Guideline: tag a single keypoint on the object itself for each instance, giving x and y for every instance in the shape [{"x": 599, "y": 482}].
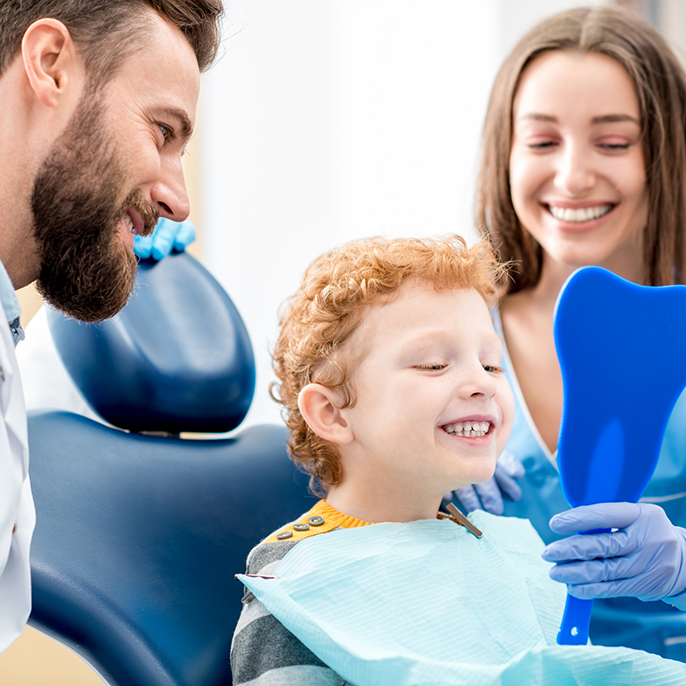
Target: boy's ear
[
  {"x": 50, "y": 60},
  {"x": 319, "y": 408}
]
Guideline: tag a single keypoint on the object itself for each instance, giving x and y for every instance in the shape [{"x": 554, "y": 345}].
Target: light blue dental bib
[{"x": 427, "y": 604}]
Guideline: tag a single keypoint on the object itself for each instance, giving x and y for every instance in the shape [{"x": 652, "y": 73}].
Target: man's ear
[
  {"x": 50, "y": 60},
  {"x": 318, "y": 406}
]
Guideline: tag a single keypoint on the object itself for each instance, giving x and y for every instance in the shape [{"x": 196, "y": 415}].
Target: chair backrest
[
  {"x": 177, "y": 358},
  {"x": 138, "y": 537}
]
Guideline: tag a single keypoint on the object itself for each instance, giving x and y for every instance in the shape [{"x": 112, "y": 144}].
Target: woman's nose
[{"x": 574, "y": 174}]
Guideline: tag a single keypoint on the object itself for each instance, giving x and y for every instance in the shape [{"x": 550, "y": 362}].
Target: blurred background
[
  {"x": 324, "y": 121},
  {"x": 328, "y": 120}
]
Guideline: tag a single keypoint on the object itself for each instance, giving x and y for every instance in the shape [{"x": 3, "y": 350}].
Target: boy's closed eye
[{"x": 492, "y": 368}]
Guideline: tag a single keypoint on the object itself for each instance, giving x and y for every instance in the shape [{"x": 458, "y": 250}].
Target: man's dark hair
[{"x": 106, "y": 32}]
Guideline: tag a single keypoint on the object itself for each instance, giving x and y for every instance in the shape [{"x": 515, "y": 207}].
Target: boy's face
[{"x": 433, "y": 409}]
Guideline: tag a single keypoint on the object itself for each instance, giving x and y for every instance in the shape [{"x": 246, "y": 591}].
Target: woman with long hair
[{"x": 584, "y": 163}]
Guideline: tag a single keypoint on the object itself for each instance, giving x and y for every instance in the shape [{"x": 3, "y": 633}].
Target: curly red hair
[{"x": 321, "y": 317}]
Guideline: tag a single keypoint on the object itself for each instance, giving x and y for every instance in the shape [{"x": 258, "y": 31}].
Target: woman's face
[{"x": 577, "y": 174}]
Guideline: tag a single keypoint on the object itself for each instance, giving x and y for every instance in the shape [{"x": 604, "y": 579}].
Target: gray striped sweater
[{"x": 263, "y": 651}]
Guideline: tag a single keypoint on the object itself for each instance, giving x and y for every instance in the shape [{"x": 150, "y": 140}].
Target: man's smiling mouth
[
  {"x": 135, "y": 222},
  {"x": 129, "y": 223}
]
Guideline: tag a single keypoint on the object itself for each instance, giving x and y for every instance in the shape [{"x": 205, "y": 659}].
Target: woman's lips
[{"x": 579, "y": 218}]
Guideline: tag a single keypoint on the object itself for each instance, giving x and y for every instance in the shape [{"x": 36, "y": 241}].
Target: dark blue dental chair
[{"x": 139, "y": 536}]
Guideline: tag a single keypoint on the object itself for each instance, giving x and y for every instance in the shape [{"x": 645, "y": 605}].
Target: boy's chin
[
  {"x": 474, "y": 482},
  {"x": 481, "y": 476}
]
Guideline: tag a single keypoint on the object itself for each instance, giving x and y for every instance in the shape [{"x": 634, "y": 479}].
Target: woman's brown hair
[{"x": 660, "y": 85}]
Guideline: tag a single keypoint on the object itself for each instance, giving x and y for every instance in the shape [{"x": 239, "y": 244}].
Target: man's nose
[
  {"x": 574, "y": 174},
  {"x": 169, "y": 194}
]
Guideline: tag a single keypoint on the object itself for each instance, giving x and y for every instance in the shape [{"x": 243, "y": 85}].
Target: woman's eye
[
  {"x": 540, "y": 141},
  {"x": 492, "y": 368},
  {"x": 543, "y": 145},
  {"x": 615, "y": 146},
  {"x": 431, "y": 367},
  {"x": 614, "y": 143}
]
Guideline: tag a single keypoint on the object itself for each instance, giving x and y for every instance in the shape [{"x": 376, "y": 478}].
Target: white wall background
[{"x": 328, "y": 120}]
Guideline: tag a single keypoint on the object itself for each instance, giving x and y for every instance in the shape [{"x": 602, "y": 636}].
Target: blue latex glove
[
  {"x": 489, "y": 495},
  {"x": 167, "y": 236},
  {"x": 643, "y": 556}
]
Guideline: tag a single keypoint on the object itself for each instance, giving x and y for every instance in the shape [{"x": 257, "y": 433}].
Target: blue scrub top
[{"x": 655, "y": 627}]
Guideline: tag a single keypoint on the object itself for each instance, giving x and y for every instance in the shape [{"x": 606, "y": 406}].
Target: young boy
[{"x": 389, "y": 375}]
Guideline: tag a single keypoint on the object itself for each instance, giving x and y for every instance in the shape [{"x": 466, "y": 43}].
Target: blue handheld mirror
[{"x": 622, "y": 352}]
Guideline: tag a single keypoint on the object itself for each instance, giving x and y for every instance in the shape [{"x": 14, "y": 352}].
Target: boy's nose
[{"x": 478, "y": 382}]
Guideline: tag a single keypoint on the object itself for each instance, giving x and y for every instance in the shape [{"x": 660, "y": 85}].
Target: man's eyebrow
[{"x": 185, "y": 129}]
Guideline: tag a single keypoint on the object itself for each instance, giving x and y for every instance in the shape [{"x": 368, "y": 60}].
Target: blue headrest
[{"x": 176, "y": 358}]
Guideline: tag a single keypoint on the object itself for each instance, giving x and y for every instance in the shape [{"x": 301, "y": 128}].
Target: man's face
[{"x": 113, "y": 172}]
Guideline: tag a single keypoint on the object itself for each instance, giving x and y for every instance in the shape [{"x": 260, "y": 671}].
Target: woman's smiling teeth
[
  {"x": 467, "y": 429},
  {"x": 583, "y": 214}
]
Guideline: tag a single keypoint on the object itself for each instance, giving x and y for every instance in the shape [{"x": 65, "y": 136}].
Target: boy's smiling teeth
[
  {"x": 468, "y": 429},
  {"x": 583, "y": 214}
]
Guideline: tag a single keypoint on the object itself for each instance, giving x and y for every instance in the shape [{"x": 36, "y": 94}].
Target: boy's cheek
[
  {"x": 507, "y": 405},
  {"x": 503, "y": 436}
]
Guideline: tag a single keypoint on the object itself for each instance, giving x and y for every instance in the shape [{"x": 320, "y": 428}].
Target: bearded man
[{"x": 98, "y": 102}]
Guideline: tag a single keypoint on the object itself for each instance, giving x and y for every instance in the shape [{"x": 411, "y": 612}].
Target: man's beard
[{"x": 87, "y": 271}]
